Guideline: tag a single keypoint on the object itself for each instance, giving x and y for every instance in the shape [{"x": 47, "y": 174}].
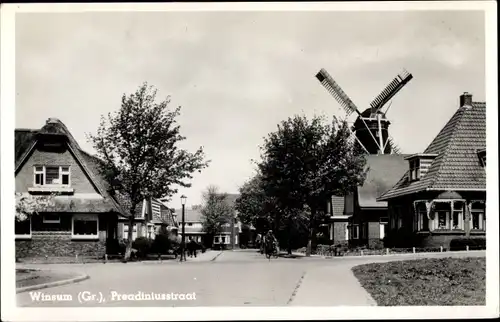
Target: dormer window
[
  {"x": 482, "y": 156},
  {"x": 415, "y": 169},
  {"x": 419, "y": 164}
]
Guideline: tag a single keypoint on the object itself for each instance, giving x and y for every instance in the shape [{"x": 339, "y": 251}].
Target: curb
[
  {"x": 52, "y": 284},
  {"x": 471, "y": 252},
  {"x": 296, "y": 289},
  {"x": 213, "y": 259}
]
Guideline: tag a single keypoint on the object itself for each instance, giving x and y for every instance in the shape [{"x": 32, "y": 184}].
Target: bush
[
  {"x": 143, "y": 246},
  {"x": 473, "y": 243},
  {"x": 161, "y": 244},
  {"x": 402, "y": 238}
]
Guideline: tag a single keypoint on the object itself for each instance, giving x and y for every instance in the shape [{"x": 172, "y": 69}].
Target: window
[
  {"x": 216, "y": 239},
  {"x": 52, "y": 175},
  {"x": 23, "y": 228},
  {"x": 355, "y": 231},
  {"x": 190, "y": 224},
  {"x": 51, "y": 219},
  {"x": 39, "y": 175},
  {"x": 442, "y": 219},
  {"x": 423, "y": 219},
  {"x": 457, "y": 217},
  {"x": 414, "y": 170},
  {"x": 482, "y": 156},
  {"x": 455, "y": 220},
  {"x": 478, "y": 216},
  {"x": 223, "y": 239},
  {"x": 85, "y": 226},
  {"x": 125, "y": 228},
  {"x": 383, "y": 230}
]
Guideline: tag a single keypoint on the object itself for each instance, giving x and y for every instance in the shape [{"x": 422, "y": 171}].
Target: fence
[{"x": 331, "y": 251}]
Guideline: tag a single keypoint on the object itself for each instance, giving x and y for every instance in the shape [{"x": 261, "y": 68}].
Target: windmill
[{"x": 370, "y": 129}]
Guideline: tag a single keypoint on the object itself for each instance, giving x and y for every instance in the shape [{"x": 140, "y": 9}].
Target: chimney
[
  {"x": 465, "y": 99},
  {"x": 53, "y": 120}
]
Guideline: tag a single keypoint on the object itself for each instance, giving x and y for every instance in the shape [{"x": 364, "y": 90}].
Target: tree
[
  {"x": 254, "y": 206},
  {"x": 28, "y": 205},
  {"x": 305, "y": 162},
  {"x": 138, "y": 146},
  {"x": 216, "y": 211}
]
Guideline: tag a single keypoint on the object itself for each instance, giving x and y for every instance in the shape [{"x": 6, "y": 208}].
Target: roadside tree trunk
[
  {"x": 289, "y": 248},
  {"x": 311, "y": 232},
  {"x": 128, "y": 250}
]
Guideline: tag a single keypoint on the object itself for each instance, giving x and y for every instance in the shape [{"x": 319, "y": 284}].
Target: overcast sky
[{"x": 238, "y": 74}]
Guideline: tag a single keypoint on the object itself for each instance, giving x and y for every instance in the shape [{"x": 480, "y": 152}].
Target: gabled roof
[
  {"x": 195, "y": 215},
  {"x": 384, "y": 171},
  {"x": 231, "y": 198},
  {"x": 27, "y": 139},
  {"x": 457, "y": 166},
  {"x": 190, "y": 215}
]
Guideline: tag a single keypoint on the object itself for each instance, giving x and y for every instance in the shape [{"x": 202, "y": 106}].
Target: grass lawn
[
  {"x": 443, "y": 281},
  {"x": 26, "y": 277}
]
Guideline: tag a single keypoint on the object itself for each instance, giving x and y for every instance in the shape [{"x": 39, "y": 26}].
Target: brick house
[
  {"x": 442, "y": 195},
  {"x": 338, "y": 222},
  {"x": 151, "y": 214},
  {"x": 368, "y": 222},
  {"x": 83, "y": 219},
  {"x": 228, "y": 237},
  {"x": 359, "y": 219},
  {"x": 193, "y": 224}
]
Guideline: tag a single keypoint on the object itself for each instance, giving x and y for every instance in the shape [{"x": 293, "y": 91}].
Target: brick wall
[
  {"x": 55, "y": 239},
  {"x": 59, "y": 244},
  {"x": 443, "y": 239},
  {"x": 79, "y": 181}
]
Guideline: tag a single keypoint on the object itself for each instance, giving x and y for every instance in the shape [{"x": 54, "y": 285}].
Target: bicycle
[{"x": 274, "y": 253}]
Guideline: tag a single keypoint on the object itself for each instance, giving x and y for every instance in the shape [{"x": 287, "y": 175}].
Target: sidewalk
[
  {"x": 331, "y": 286},
  {"x": 336, "y": 285},
  {"x": 207, "y": 256}
]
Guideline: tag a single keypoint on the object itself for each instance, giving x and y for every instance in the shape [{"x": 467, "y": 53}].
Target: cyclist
[{"x": 271, "y": 242}]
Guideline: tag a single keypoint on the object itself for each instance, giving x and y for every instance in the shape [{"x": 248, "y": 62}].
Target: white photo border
[{"x": 7, "y": 117}]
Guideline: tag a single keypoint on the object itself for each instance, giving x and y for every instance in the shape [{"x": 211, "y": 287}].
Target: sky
[{"x": 236, "y": 75}]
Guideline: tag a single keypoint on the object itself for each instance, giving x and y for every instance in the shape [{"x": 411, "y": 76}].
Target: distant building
[
  {"x": 227, "y": 238},
  {"x": 193, "y": 224},
  {"x": 442, "y": 194},
  {"x": 150, "y": 216}
]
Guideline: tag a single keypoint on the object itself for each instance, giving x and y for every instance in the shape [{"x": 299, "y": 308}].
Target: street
[{"x": 234, "y": 278}]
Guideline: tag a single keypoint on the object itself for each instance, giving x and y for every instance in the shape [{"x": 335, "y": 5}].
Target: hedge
[{"x": 473, "y": 243}]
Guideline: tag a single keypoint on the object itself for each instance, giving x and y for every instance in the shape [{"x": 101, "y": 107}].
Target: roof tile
[{"x": 457, "y": 165}]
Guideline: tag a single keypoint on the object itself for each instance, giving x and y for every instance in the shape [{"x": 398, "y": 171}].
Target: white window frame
[
  {"x": 44, "y": 173},
  {"x": 355, "y": 231},
  {"x": 382, "y": 230},
  {"x": 446, "y": 219},
  {"x": 49, "y": 221},
  {"x": 481, "y": 213},
  {"x": 25, "y": 236},
  {"x": 415, "y": 170},
  {"x": 88, "y": 217}
]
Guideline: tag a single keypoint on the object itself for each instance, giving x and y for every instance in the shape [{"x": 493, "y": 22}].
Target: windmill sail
[
  {"x": 394, "y": 148},
  {"x": 334, "y": 89},
  {"x": 395, "y": 86}
]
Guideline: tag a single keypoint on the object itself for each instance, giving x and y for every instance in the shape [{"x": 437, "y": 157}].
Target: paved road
[{"x": 235, "y": 278}]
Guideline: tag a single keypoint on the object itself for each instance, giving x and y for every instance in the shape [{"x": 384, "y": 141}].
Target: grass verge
[
  {"x": 26, "y": 277},
  {"x": 443, "y": 281}
]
